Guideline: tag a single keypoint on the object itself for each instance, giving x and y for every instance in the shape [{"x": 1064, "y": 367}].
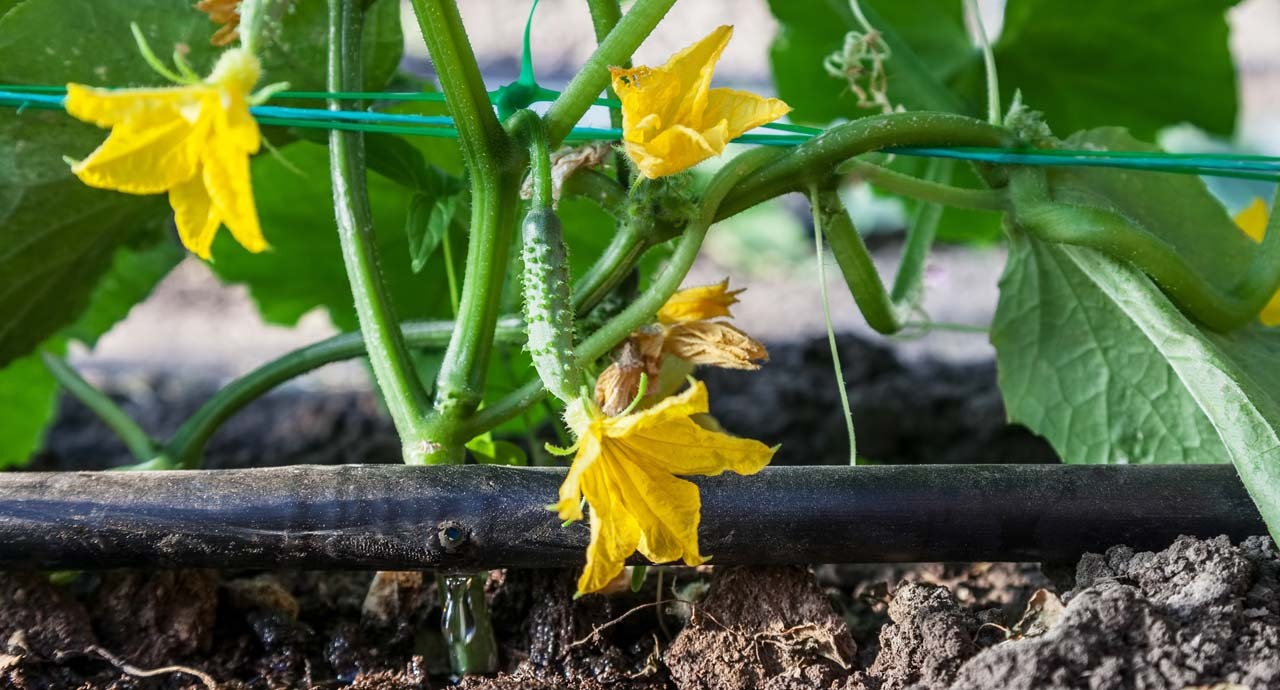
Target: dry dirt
[{"x": 1199, "y": 613}]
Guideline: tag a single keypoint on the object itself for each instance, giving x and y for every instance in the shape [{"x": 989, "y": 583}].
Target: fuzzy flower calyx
[
  {"x": 626, "y": 469},
  {"x": 192, "y": 141},
  {"x": 671, "y": 117}
]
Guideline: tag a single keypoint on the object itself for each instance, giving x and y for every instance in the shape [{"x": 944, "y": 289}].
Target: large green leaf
[
  {"x": 303, "y": 269},
  {"x": 810, "y": 31},
  {"x": 1209, "y": 396},
  {"x": 1076, "y": 370},
  {"x": 28, "y": 395},
  {"x": 28, "y": 392},
  {"x": 1142, "y": 64},
  {"x": 57, "y": 235}
]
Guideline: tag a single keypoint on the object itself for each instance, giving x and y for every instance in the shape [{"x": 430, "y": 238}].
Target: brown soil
[{"x": 1198, "y": 613}]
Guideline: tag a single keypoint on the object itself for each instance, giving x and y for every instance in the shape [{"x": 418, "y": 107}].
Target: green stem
[
  {"x": 392, "y": 366},
  {"x": 1113, "y": 234},
  {"x": 988, "y": 60},
  {"x": 255, "y": 15},
  {"x": 909, "y": 282},
  {"x": 926, "y": 190},
  {"x": 605, "y": 15},
  {"x": 493, "y": 168},
  {"x": 855, "y": 262},
  {"x": 596, "y": 187},
  {"x": 641, "y": 311},
  {"x": 591, "y": 80},
  {"x": 189, "y": 440},
  {"x": 139, "y": 443},
  {"x": 813, "y": 161},
  {"x": 623, "y": 252},
  {"x": 841, "y": 385}
]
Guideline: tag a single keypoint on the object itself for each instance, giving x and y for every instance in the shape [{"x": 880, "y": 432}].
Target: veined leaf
[
  {"x": 1228, "y": 378},
  {"x": 1074, "y": 368}
]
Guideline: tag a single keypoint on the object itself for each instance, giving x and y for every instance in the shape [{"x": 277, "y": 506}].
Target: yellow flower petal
[
  {"x": 1253, "y": 221},
  {"x": 667, "y": 511},
  {"x": 193, "y": 141},
  {"x": 742, "y": 110},
  {"x": 614, "y": 532},
  {"x": 672, "y": 119},
  {"x": 699, "y": 303},
  {"x": 626, "y": 468},
  {"x": 226, "y": 178},
  {"x": 194, "y": 215},
  {"x": 151, "y": 149}
]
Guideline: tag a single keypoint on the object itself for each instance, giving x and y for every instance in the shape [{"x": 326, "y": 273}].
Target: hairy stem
[
  {"x": 591, "y": 80},
  {"x": 812, "y": 161},
  {"x": 925, "y": 189},
  {"x": 393, "y": 369},
  {"x": 493, "y": 169},
  {"x": 191, "y": 437},
  {"x": 841, "y": 385}
]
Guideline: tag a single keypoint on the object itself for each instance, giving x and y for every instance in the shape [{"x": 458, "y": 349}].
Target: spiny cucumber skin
[{"x": 548, "y": 306}]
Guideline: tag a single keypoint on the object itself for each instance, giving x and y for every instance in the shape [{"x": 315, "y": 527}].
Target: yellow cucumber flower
[
  {"x": 1253, "y": 221},
  {"x": 626, "y": 468},
  {"x": 192, "y": 141},
  {"x": 671, "y": 117}
]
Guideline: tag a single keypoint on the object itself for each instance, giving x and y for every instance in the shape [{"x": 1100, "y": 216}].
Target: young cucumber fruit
[{"x": 548, "y": 306}]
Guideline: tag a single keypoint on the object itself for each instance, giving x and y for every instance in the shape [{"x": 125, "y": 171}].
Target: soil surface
[{"x": 1200, "y": 613}]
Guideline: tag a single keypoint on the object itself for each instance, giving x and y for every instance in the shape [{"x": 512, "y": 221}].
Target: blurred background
[{"x": 193, "y": 325}]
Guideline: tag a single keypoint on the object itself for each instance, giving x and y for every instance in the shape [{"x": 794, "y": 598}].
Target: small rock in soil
[
  {"x": 926, "y": 643},
  {"x": 770, "y": 628}
]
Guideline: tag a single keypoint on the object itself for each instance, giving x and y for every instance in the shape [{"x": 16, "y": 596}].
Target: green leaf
[
  {"x": 487, "y": 451},
  {"x": 1074, "y": 368},
  {"x": 56, "y": 241},
  {"x": 28, "y": 392},
  {"x": 810, "y": 31},
  {"x": 44, "y": 42},
  {"x": 28, "y": 395},
  {"x": 1144, "y": 64},
  {"x": 1215, "y": 396},
  {"x": 303, "y": 269},
  {"x": 58, "y": 235}
]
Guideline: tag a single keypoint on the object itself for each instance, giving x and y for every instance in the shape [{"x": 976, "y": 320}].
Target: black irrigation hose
[{"x": 395, "y": 517}]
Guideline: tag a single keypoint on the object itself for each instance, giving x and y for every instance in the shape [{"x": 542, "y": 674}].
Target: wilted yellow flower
[
  {"x": 619, "y": 383},
  {"x": 699, "y": 303},
  {"x": 226, "y": 13},
  {"x": 626, "y": 468},
  {"x": 1253, "y": 221},
  {"x": 671, "y": 117},
  {"x": 714, "y": 343},
  {"x": 192, "y": 141}
]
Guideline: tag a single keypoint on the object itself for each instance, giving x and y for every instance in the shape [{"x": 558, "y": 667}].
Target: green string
[{"x": 526, "y": 91}]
